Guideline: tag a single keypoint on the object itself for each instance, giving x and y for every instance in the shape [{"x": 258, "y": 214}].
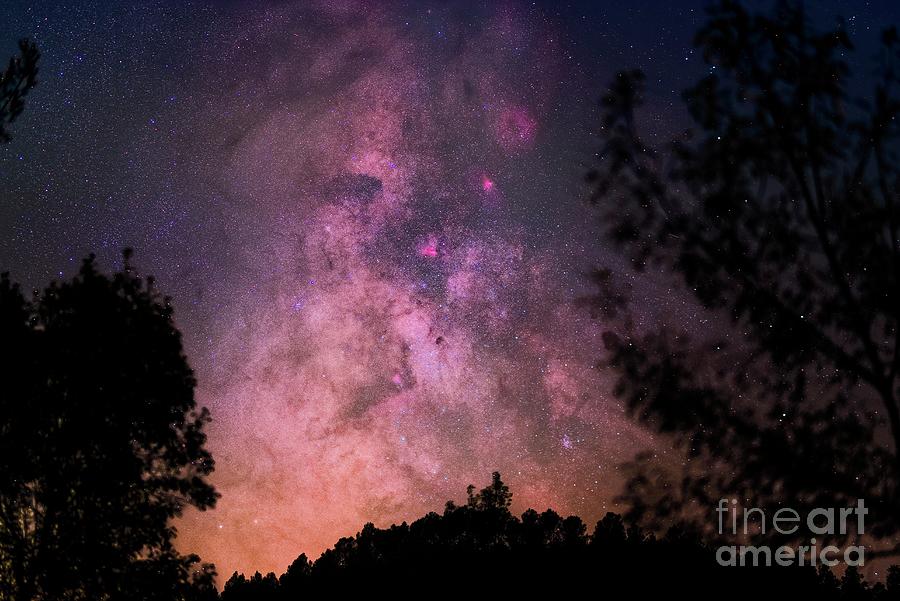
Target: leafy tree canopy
[
  {"x": 778, "y": 215},
  {"x": 101, "y": 442}
]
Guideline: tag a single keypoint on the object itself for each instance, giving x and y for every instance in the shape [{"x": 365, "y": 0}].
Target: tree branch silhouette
[{"x": 776, "y": 214}]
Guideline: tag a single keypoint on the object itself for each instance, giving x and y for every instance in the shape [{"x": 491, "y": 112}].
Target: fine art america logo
[{"x": 825, "y": 522}]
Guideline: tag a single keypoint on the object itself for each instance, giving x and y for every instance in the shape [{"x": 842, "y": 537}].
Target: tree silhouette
[
  {"x": 777, "y": 214},
  {"x": 16, "y": 81},
  {"x": 101, "y": 443},
  {"x": 481, "y": 548}
]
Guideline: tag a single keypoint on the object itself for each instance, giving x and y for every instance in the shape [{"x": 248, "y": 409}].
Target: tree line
[{"x": 481, "y": 546}]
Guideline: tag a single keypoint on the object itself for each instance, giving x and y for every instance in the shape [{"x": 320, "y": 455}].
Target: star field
[{"x": 370, "y": 218}]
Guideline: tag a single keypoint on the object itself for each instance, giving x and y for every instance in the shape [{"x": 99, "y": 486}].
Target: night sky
[{"x": 371, "y": 220}]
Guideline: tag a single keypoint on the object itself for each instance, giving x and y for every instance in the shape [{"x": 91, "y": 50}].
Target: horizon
[{"x": 374, "y": 225}]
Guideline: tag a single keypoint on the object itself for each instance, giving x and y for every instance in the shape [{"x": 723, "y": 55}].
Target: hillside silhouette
[{"x": 481, "y": 547}]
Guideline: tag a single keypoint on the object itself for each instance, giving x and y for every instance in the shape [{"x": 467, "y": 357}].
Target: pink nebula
[
  {"x": 515, "y": 128},
  {"x": 430, "y": 247}
]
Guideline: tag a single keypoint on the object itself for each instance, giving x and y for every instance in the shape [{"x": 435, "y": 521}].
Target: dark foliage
[
  {"x": 480, "y": 547},
  {"x": 101, "y": 443},
  {"x": 778, "y": 215},
  {"x": 16, "y": 81}
]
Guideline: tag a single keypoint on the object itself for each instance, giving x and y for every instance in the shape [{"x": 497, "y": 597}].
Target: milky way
[
  {"x": 415, "y": 332},
  {"x": 371, "y": 220}
]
